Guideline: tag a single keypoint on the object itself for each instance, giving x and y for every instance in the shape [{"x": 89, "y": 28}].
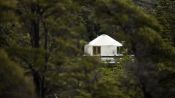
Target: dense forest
[{"x": 42, "y": 42}]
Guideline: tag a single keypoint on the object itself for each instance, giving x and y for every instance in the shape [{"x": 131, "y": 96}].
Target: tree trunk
[
  {"x": 43, "y": 85},
  {"x": 35, "y": 34}
]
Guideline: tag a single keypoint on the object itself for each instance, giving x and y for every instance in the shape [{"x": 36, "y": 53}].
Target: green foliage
[
  {"x": 86, "y": 77},
  {"x": 13, "y": 83},
  {"x": 165, "y": 14},
  {"x": 6, "y": 8},
  {"x": 7, "y": 18},
  {"x": 25, "y": 56}
]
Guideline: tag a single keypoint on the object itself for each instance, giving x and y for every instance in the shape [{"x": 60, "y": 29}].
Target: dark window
[
  {"x": 118, "y": 50},
  {"x": 96, "y": 50}
]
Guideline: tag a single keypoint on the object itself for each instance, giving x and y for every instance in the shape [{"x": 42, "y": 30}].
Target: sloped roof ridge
[{"x": 104, "y": 40}]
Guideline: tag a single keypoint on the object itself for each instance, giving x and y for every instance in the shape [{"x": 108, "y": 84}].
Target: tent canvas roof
[{"x": 104, "y": 40}]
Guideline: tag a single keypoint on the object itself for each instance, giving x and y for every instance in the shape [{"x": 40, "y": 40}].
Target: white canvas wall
[{"x": 108, "y": 50}]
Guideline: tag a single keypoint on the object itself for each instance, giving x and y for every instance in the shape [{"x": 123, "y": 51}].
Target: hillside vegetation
[{"x": 42, "y": 42}]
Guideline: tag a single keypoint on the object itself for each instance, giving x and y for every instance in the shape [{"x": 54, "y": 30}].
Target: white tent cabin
[{"x": 105, "y": 47}]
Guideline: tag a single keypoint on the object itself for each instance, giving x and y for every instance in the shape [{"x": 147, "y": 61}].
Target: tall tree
[{"x": 37, "y": 17}]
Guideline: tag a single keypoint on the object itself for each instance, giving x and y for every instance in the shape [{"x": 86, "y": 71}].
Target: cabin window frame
[{"x": 96, "y": 50}]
